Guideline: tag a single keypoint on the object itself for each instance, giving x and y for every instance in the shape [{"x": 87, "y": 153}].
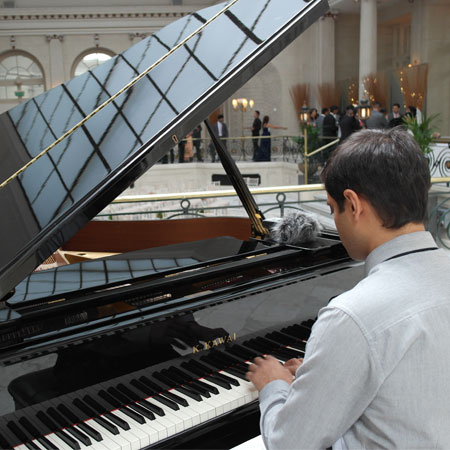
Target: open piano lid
[{"x": 57, "y": 195}]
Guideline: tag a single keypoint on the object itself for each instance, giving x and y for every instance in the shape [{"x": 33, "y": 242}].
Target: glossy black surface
[{"x": 58, "y": 194}]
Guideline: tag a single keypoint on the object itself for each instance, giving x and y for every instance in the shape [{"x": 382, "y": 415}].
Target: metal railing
[{"x": 273, "y": 201}]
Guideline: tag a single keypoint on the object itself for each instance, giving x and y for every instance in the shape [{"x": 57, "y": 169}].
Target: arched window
[
  {"x": 21, "y": 76},
  {"x": 90, "y": 59}
]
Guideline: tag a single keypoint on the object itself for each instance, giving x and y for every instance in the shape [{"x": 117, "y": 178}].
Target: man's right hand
[{"x": 293, "y": 364}]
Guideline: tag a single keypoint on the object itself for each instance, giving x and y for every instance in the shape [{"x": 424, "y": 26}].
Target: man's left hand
[{"x": 265, "y": 370}]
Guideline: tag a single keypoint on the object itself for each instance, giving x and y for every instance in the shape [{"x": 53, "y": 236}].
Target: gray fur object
[{"x": 296, "y": 228}]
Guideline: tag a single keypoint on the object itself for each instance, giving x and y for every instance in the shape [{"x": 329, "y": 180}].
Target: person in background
[
  {"x": 256, "y": 129},
  {"x": 196, "y": 136},
  {"x": 221, "y": 130},
  {"x": 264, "y": 151},
  {"x": 313, "y": 116},
  {"x": 320, "y": 120},
  {"x": 376, "y": 370},
  {"x": 376, "y": 119},
  {"x": 395, "y": 118},
  {"x": 188, "y": 148},
  {"x": 348, "y": 123}
]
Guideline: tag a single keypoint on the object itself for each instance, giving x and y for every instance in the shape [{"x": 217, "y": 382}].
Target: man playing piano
[{"x": 376, "y": 369}]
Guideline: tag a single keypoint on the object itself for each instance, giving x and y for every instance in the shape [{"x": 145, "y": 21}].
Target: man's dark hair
[
  {"x": 350, "y": 108},
  {"x": 257, "y": 112},
  {"x": 376, "y": 104},
  {"x": 324, "y": 110},
  {"x": 334, "y": 108},
  {"x": 220, "y": 116},
  {"x": 396, "y": 104},
  {"x": 387, "y": 168}
]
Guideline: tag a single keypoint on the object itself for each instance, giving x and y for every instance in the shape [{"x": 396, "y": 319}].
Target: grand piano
[{"x": 147, "y": 348}]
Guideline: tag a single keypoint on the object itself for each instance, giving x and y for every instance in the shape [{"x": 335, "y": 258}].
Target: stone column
[
  {"x": 417, "y": 32},
  {"x": 56, "y": 60},
  {"x": 325, "y": 51},
  {"x": 367, "y": 41}
]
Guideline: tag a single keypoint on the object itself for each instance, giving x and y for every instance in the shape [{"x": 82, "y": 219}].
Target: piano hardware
[{"x": 147, "y": 348}]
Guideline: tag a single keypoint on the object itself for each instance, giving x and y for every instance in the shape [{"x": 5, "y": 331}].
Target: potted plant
[{"x": 424, "y": 133}]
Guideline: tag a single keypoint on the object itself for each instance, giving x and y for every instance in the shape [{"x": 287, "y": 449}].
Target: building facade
[{"x": 391, "y": 51}]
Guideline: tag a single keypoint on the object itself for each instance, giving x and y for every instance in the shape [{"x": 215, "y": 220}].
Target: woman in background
[{"x": 264, "y": 150}]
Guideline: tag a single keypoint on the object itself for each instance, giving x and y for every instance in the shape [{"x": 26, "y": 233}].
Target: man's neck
[{"x": 387, "y": 234}]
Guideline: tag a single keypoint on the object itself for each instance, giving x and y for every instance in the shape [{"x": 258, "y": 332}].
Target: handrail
[{"x": 232, "y": 192}]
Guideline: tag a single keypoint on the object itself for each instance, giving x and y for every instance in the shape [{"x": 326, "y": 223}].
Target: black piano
[{"x": 147, "y": 348}]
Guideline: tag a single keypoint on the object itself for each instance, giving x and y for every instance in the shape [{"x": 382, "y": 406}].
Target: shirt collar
[{"x": 404, "y": 243}]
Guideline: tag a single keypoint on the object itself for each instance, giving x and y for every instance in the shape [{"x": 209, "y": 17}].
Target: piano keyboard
[{"x": 149, "y": 406}]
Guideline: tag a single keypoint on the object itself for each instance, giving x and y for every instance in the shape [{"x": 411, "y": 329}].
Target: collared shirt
[
  {"x": 220, "y": 128},
  {"x": 376, "y": 372}
]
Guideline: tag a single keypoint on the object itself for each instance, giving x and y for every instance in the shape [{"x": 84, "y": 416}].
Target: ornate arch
[
  {"x": 79, "y": 59},
  {"x": 21, "y": 76}
]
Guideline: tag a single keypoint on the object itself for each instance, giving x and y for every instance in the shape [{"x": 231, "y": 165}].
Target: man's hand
[
  {"x": 265, "y": 370},
  {"x": 293, "y": 364}
]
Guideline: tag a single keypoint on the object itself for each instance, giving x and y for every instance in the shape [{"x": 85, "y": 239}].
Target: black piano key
[
  {"x": 210, "y": 388},
  {"x": 47, "y": 421},
  {"x": 287, "y": 340},
  {"x": 241, "y": 352},
  {"x": 94, "y": 434},
  {"x": 183, "y": 389},
  {"x": 36, "y": 434},
  {"x": 126, "y": 400},
  {"x": 188, "y": 383},
  {"x": 64, "y": 423},
  {"x": 210, "y": 378},
  {"x": 221, "y": 363},
  {"x": 4, "y": 443},
  {"x": 229, "y": 360},
  {"x": 290, "y": 353},
  {"x": 107, "y": 425},
  {"x": 123, "y": 409},
  {"x": 108, "y": 415},
  {"x": 147, "y": 384},
  {"x": 236, "y": 373},
  {"x": 140, "y": 401},
  {"x": 233, "y": 381},
  {"x": 297, "y": 331},
  {"x": 23, "y": 438},
  {"x": 189, "y": 393},
  {"x": 175, "y": 398}
]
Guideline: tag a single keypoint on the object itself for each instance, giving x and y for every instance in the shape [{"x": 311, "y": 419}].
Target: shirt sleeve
[{"x": 336, "y": 382}]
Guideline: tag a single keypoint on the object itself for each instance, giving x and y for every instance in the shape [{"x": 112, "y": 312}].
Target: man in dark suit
[
  {"x": 330, "y": 124},
  {"x": 256, "y": 128},
  {"x": 348, "y": 123},
  {"x": 395, "y": 118},
  {"x": 221, "y": 130}
]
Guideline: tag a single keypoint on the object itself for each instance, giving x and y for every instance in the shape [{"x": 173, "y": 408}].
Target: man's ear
[{"x": 354, "y": 203}]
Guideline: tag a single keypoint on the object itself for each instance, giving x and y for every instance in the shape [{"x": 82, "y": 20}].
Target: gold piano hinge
[
  {"x": 56, "y": 301},
  {"x": 175, "y": 138},
  {"x": 256, "y": 256}
]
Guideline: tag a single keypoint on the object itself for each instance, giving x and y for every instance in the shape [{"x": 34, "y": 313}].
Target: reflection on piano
[{"x": 147, "y": 348}]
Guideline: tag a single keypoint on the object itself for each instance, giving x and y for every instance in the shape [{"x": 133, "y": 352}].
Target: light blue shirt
[{"x": 376, "y": 372}]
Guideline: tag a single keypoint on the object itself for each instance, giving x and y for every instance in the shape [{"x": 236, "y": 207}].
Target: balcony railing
[{"x": 273, "y": 201}]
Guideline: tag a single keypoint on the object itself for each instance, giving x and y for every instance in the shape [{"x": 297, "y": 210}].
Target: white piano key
[
  {"x": 174, "y": 424},
  {"x": 114, "y": 439},
  {"x": 228, "y": 400},
  {"x": 135, "y": 429},
  {"x": 204, "y": 410},
  {"x": 55, "y": 440},
  {"x": 21, "y": 447},
  {"x": 183, "y": 413},
  {"x": 245, "y": 387},
  {"x": 192, "y": 414},
  {"x": 94, "y": 444},
  {"x": 131, "y": 437}
]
